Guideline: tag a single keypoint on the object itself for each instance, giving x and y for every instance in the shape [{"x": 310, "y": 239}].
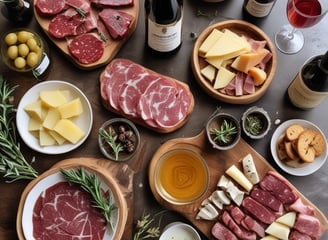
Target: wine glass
[{"x": 301, "y": 14}]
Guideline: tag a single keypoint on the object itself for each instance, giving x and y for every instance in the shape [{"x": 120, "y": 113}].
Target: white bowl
[
  {"x": 179, "y": 230},
  {"x": 305, "y": 169},
  {"x": 84, "y": 121}
]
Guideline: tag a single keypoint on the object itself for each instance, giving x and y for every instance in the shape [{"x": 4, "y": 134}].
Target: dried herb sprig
[
  {"x": 90, "y": 183},
  {"x": 224, "y": 134},
  {"x": 13, "y": 164},
  {"x": 253, "y": 125},
  {"x": 110, "y": 138},
  {"x": 144, "y": 229}
]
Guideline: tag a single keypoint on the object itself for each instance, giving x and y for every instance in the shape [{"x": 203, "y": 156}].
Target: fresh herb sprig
[
  {"x": 253, "y": 125},
  {"x": 110, "y": 138},
  {"x": 144, "y": 229},
  {"x": 90, "y": 183},
  {"x": 224, "y": 134},
  {"x": 13, "y": 164}
]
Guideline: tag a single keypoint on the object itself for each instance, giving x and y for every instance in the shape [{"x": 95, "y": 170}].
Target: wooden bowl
[{"x": 242, "y": 28}]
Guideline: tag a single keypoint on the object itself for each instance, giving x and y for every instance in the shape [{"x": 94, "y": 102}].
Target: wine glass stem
[{"x": 291, "y": 34}]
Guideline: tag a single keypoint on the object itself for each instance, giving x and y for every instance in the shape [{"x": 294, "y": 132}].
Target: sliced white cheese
[
  {"x": 209, "y": 72},
  {"x": 209, "y": 41},
  {"x": 239, "y": 177},
  {"x": 235, "y": 194},
  {"x": 223, "y": 78},
  {"x": 207, "y": 212},
  {"x": 215, "y": 62},
  {"x": 278, "y": 230},
  {"x": 222, "y": 196},
  {"x": 205, "y": 201},
  {"x": 249, "y": 169},
  {"x": 288, "y": 219},
  {"x": 223, "y": 182}
]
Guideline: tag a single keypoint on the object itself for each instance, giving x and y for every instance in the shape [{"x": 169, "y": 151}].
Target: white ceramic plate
[
  {"x": 306, "y": 169},
  {"x": 84, "y": 121},
  {"x": 39, "y": 188}
]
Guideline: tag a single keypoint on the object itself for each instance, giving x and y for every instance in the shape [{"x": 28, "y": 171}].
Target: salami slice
[
  {"x": 50, "y": 7},
  {"x": 86, "y": 48}
]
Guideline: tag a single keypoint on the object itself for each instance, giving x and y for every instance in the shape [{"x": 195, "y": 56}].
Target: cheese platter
[{"x": 218, "y": 162}]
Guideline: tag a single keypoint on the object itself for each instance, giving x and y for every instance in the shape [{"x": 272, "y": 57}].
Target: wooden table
[{"x": 275, "y": 102}]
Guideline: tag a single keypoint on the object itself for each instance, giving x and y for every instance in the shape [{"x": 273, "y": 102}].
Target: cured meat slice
[
  {"x": 80, "y": 5},
  {"x": 252, "y": 225},
  {"x": 267, "y": 199},
  {"x": 300, "y": 207},
  {"x": 221, "y": 232},
  {"x": 279, "y": 187},
  {"x": 258, "y": 211},
  {"x": 295, "y": 235},
  {"x": 112, "y": 3},
  {"x": 308, "y": 225},
  {"x": 86, "y": 48},
  {"x": 50, "y": 7},
  {"x": 117, "y": 22},
  {"x": 65, "y": 212}
]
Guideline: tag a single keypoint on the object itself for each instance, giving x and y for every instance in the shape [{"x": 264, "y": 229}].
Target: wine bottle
[
  {"x": 18, "y": 11},
  {"x": 164, "y": 25},
  {"x": 258, "y": 8},
  {"x": 310, "y": 85}
]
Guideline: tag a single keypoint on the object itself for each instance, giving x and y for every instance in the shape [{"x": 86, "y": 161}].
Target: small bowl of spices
[
  {"x": 256, "y": 122},
  {"x": 118, "y": 139}
]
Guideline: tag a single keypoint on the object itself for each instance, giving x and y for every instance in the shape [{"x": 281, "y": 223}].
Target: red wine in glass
[{"x": 304, "y": 14}]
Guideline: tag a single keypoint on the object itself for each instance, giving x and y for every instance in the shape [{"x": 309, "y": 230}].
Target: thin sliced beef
[
  {"x": 117, "y": 22},
  {"x": 112, "y": 3},
  {"x": 279, "y": 187},
  {"x": 308, "y": 225},
  {"x": 80, "y": 5},
  {"x": 267, "y": 199},
  {"x": 221, "y": 232},
  {"x": 258, "y": 211},
  {"x": 50, "y": 7},
  {"x": 86, "y": 48}
]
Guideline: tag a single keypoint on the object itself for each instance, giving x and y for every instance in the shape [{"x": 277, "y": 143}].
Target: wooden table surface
[{"x": 275, "y": 102}]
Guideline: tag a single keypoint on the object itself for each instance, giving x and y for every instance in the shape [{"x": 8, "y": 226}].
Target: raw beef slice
[{"x": 50, "y": 7}]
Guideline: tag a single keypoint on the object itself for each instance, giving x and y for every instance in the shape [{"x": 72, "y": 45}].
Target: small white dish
[
  {"x": 39, "y": 188},
  {"x": 305, "y": 169},
  {"x": 84, "y": 121},
  {"x": 179, "y": 230}
]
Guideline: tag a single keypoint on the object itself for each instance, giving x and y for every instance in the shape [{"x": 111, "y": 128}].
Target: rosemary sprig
[
  {"x": 13, "y": 164},
  {"x": 144, "y": 230},
  {"x": 111, "y": 139},
  {"x": 224, "y": 134},
  {"x": 90, "y": 183},
  {"x": 253, "y": 125}
]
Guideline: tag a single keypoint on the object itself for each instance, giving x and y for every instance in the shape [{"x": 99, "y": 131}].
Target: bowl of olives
[{"x": 22, "y": 50}]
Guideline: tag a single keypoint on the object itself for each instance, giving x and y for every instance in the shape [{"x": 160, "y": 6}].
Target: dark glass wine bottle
[
  {"x": 18, "y": 11},
  {"x": 163, "y": 19},
  {"x": 258, "y": 8},
  {"x": 315, "y": 74}
]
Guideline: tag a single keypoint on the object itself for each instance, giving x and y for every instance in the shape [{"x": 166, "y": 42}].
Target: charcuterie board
[
  {"x": 112, "y": 45},
  {"x": 117, "y": 177},
  {"x": 218, "y": 162}
]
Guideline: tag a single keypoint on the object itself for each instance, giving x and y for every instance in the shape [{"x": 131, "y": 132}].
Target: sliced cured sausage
[
  {"x": 86, "y": 48},
  {"x": 50, "y": 7}
]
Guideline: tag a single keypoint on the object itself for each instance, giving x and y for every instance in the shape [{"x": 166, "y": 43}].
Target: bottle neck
[{"x": 166, "y": 11}]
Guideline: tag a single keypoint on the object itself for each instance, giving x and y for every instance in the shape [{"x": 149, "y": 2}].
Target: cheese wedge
[
  {"x": 68, "y": 130},
  {"x": 35, "y": 110},
  {"x": 209, "y": 41},
  {"x": 207, "y": 212},
  {"x": 53, "y": 98},
  {"x": 278, "y": 230},
  {"x": 45, "y": 139},
  {"x": 248, "y": 60},
  {"x": 71, "y": 109},
  {"x": 249, "y": 169},
  {"x": 51, "y": 118},
  {"x": 209, "y": 72},
  {"x": 239, "y": 177},
  {"x": 258, "y": 75},
  {"x": 287, "y": 219},
  {"x": 223, "y": 78}
]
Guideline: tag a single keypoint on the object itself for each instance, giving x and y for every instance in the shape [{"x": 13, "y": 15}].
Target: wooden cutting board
[
  {"x": 117, "y": 176},
  {"x": 218, "y": 162},
  {"x": 112, "y": 46}
]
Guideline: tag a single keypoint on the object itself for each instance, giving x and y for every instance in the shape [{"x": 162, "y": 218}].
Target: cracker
[
  {"x": 304, "y": 147},
  {"x": 293, "y": 131},
  {"x": 319, "y": 144}
]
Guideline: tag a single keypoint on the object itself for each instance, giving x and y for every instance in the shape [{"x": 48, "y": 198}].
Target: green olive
[
  {"x": 23, "y": 36},
  {"x": 23, "y": 50},
  {"x": 32, "y": 44},
  {"x": 32, "y": 59},
  {"x": 12, "y": 52},
  {"x": 11, "y": 39},
  {"x": 20, "y": 62}
]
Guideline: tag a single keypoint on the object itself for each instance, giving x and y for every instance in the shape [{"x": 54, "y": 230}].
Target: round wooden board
[
  {"x": 242, "y": 28},
  {"x": 109, "y": 172},
  {"x": 218, "y": 162},
  {"x": 112, "y": 46}
]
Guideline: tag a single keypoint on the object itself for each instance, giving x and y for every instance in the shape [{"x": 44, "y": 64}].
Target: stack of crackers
[{"x": 300, "y": 145}]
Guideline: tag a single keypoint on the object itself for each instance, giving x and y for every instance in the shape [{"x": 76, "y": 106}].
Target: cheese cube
[
  {"x": 209, "y": 41},
  {"x": 288, "y": 219},
  {"x": 51, "y": 118},
  {"x": 278, "y": 230},
  {"x": 208, "y": 72},
  {"x": 71, "y": 109},
  {"x": 53, "y": 98},
  {"x": 35, "y": 110},
  {"x": 248, "y": 60},
  {"x": 239, "y": 177},
  {"x": 45, "y": 139},
  {"x": 68, "y": 130},
  {"x": 223, "y": 78}
]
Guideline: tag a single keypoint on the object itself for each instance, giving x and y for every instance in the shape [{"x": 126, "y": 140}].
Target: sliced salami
[
  {"x": 50, "y": 7},
  {"x": 86, "y": 48}
]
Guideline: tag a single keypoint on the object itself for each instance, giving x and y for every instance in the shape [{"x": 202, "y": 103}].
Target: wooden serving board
[
  {"x": 118, "y": 177},
  {"x": 218, "y": 162},
  {"x": 112, "y": 46}
]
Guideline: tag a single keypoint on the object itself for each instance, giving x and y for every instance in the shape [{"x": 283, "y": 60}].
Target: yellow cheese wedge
[
  {"x": 209, "y": 41},
  {"x": 51, "y": 118},
  {"x": 34, "y": 124},
  {"x": 68, "y": 130},
  {"x": 229, "y": 43},
  {"x": 209, "y": 72},
  {"x": 239, "y": 177},
  {"x": 223, "y": 78},
  {"x": 287, "y": 219},
  {"x": 71, "y": 109},
  {"x": 215, "y": 61},
  {"x": 58, "y": 138},
  {"x": 53, "y": 98},
  {"x": 45, "y": 139},
  {"x": 278, "y": 230},
  {"x": 258, "y": 75},
  {"x": 35, "y": 110},
  {"x": 248, "y": 60}
]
